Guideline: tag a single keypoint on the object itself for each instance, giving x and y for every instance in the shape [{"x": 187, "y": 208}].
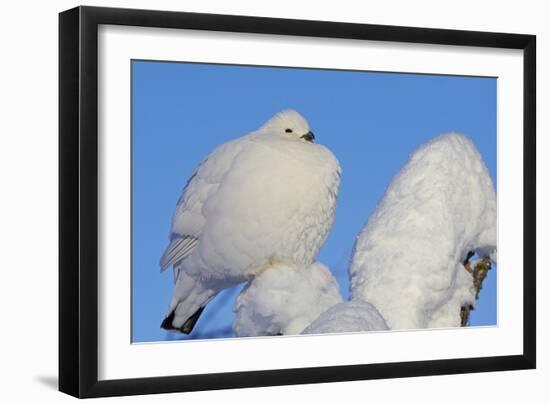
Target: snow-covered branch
[
  {"x": 353, "y": 316},
  {"x": 285, "y": 299},
  {"x": 408, "y": 259}
]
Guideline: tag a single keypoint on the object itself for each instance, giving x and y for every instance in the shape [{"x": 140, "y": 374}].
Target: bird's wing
[
  {"x": 188, "y": 219},
  {"x": 178, "y": 249}
]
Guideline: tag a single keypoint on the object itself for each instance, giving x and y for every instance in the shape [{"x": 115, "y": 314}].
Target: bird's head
[{"x": 288, "y": 124}]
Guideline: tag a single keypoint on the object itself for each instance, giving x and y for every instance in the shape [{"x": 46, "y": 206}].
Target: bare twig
[{"x": 479, "y": 274}]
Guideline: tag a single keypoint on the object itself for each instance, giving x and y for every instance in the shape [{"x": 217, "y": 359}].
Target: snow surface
[
  {"x": 284, "y": 299},
  {"x": 408, "y": 258},
  {"x": 352, "y": 316},
  {"x": 269, "y": 196}
]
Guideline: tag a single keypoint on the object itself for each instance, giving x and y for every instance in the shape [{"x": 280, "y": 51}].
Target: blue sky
[{"x": 371, "y": 121}]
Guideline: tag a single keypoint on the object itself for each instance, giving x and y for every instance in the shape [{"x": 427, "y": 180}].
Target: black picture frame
[{"x": 78, "y": 201}]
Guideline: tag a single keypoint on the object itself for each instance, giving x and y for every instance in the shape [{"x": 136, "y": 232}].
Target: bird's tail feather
[
  {"x": 188, "y": 302},
  {"x": 187, "y": 327}
]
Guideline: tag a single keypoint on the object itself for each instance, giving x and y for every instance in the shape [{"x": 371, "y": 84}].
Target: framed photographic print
[{"x": 250, "y": 201}]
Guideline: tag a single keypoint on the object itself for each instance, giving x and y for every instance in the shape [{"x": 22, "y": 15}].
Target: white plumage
[{"x": 267, "y": 197}]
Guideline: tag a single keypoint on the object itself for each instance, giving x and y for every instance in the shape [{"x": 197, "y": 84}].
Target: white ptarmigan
[{"x": 265, "y": 198}]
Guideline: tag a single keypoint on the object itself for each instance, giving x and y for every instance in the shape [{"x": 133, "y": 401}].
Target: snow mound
[
  {"x": 408, "y": 258},
  {"x": 284, "y": 299},
  {"x": 352, "y": 316}
]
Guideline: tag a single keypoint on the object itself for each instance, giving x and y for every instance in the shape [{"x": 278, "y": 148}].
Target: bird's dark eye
[{"x": 288, "y": 130}]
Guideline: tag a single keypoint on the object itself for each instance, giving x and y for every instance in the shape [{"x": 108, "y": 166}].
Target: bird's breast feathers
[{"x": 256, "y": 199}]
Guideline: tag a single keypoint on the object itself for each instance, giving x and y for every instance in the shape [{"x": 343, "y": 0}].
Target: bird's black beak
[{"x": 310, "y": 137}]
